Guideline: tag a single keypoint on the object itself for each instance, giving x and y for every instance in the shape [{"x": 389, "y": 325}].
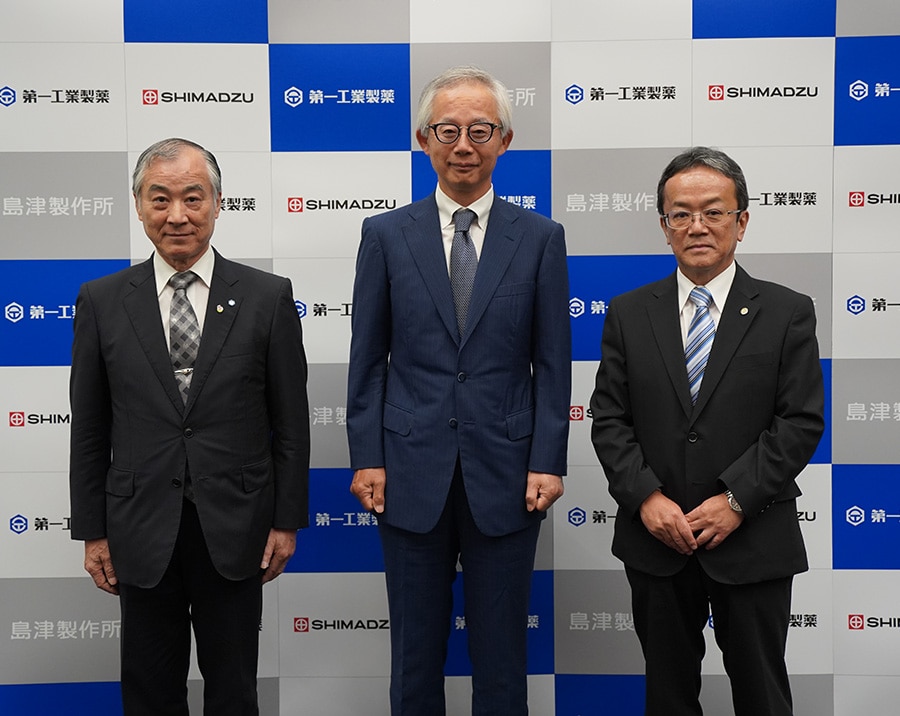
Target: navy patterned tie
[
  {"x": 699, "y": 339},
  {"x": 184, "y": 332},
  {"x": 463, "y": 263}
]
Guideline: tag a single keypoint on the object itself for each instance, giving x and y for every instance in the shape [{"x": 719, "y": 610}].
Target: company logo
[
  {"x": 7, "y": 96},
  {"x": 576, "y": 517},
  {"x": 856, "y": 305},
  {"x": 297, "y": 204},
  {"x": 293, "y": 97},
  {"x": 576, "y": 307},
  {"x": 718, "y": 93},
  {"x": 859, "y": 622},
  {"x": 576, "y": 412},
  {"x": 303, "y": 625},
  {"x": 574, "y": 94},
  {"x": 18, "y": 524},
  {"x": 301, "y": 308},
  {"x": 859, "y": 90},
  {"x": 14, "y": 312},
  {"x": 860, "y": 198},
  {"x": 855, "y": 516},
  {"x": 857, "y": 198},
  {"x": 19, "y": 419},
  {"x": 155, "y": 97}
]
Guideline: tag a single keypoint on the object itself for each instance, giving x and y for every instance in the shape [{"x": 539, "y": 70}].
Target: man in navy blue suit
[{"x": 457, "y": 414}]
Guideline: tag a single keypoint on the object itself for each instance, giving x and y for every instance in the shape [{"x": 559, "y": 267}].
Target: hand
[
  {"x": 714, "y": 520},
  {"x": 279, "y": 549},
  {"x": 99, "y": 565},
  {"x": 542, "y": 490},
  {"x": 665, "y": 521},
  {"x": 368, "y": 487}
]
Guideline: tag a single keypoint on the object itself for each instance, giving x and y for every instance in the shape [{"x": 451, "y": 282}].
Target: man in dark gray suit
[
  {"x": 703, "y": 417},
  {"x": 190, "y": 443},
  {"x": 457, "y": 413}
]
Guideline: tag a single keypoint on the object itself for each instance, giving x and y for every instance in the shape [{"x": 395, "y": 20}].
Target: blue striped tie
[{"x": 699, "y": 339}]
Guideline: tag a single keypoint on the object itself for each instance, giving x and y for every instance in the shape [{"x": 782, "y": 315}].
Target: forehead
[
  {"x": 186, "y": 170},
  {"x": 467, "y": 98},
  {"x": 699, "y": 184}
]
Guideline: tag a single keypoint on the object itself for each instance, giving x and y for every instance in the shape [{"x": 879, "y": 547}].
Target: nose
[{"x": 177, "y": 213}]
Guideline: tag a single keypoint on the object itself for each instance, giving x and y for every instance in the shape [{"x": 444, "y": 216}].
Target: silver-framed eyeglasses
[
  {"x": 478, "y": 132},
  {"x": 680, "y": 219}
]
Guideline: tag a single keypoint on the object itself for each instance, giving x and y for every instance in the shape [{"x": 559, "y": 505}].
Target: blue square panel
[
  {"x": 867, "y": 90},
  {"x": 764, "y": 18},
  {"x": 865, "y": 524},
  {"x": 340, "y": 98},
  {"x": 237, "y": 21}
]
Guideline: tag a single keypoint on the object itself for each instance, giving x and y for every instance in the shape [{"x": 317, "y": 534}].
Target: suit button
[
  {"x": 692, "y": 437},
  {"x": 176, "y": 482},
  {"x": 188, "y": 432},
  {"x": 453, "y": 423},
  {"x": 461, "y": 377}
]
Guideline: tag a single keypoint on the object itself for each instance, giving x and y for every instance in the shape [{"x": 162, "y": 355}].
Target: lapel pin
[
  {"x": 230, "y": 301},
  {"x": 219, "y": 308},
  {"x": 745, "y": 311}
]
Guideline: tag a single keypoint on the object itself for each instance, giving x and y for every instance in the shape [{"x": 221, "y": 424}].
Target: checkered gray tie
[
  {"x": 700, "y": 337},
  {"x": 463, "y": 263},
  {"x": 184, "y": 332}
]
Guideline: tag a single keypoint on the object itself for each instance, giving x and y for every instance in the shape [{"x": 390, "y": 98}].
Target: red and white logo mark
[
  {"x": 150, "y": 96},
  {"x": 716, "y": 92},
  {"x": 301, "y": 624},
  {"x": 576, "y": 412},
  {"x": 856, "y": 622},
  {"x": 857, "y": 198},
  {"x": 16, "y": 419},
  {"x": 295, "y": 204}
]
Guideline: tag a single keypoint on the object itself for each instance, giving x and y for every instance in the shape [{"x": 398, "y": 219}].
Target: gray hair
[
  {"x": 714, "y": 159},
  {"x": 464, "y": 75},
  {"x": 168, "y": 149}
]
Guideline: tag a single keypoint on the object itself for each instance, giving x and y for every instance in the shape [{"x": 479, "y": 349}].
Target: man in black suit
[
  {"x": 189, "y": 444},
  {"x": 702, "y": 418},
  {"x": 457, "y": 409}
]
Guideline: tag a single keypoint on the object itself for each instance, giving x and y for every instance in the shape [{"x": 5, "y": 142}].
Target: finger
[{"x": 376, "y": 501}]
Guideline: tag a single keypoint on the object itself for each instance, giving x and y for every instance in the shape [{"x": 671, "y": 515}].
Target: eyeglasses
[
  {"x": 709, "y": 217},
  {"x": 447, "y": 133}
]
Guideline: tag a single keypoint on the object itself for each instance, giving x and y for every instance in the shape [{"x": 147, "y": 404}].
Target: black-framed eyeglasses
[
  {"x": 680, "y": 219},
  {"x": 479, "y": 132}
]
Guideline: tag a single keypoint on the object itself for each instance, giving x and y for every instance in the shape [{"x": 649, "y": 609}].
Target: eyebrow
[{"x": 167, "y": 190}]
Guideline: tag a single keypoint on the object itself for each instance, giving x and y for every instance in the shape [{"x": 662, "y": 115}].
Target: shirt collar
[
  {"x": 447, "y": 207},
  {"x": 719, "y": 287},
  {"x": 203, "y": 268}
]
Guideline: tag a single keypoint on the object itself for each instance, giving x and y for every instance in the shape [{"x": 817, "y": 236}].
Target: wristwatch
[{"x": 732, "y": 502}]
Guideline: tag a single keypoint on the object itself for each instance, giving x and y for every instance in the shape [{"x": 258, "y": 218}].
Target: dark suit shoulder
[
  {"x": 124, "y": 277},
  {"x": 767, "y": 290},
  {"x": 649, "y": 291}
]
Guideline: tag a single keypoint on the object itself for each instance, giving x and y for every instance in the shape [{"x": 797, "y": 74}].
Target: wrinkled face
[
  {"x": 464, "y": 168},
  {"x": 703, "y": 252},
  {"x": 178, "y": 207}
]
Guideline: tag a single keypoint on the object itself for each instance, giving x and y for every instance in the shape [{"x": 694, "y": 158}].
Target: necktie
[
  {"x": 184, "y": 332},
  {"x": 463, "y": 263},
  {"x": 699, "y": 339}
]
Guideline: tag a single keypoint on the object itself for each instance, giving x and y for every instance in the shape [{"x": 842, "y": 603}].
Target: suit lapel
[
  {"x": 500, "y": 244},
  {"x": 142, "y": 306},
  {"x": 737, "y": 316},
  {"x": 666, "y": 326},
  {"x": 224, "y": 294},
  {"x": 423, "y": 237}
]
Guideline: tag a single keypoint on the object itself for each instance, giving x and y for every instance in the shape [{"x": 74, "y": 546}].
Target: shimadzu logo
[
  {"x": 718, "y": 93},
  {"x": 305, "y": 624},
  {"x": 155, "y": 97}
]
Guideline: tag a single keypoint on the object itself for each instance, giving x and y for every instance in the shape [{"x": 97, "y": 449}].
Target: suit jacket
[
  {"x": 243, "y": 434},
  {"x": 756, "y": 423},
  {"x": 419, "y": 395}
]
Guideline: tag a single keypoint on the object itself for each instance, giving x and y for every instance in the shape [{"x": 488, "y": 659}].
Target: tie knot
[
  {"x": 462, "y": 219},
  {"x": 701, "y": 297},
  {"x": 183, "y": 279}
]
